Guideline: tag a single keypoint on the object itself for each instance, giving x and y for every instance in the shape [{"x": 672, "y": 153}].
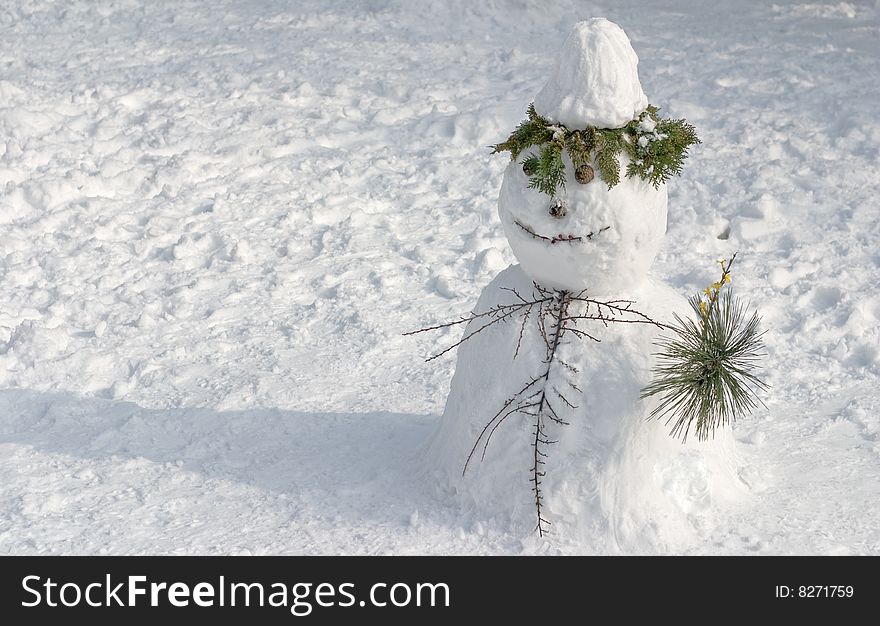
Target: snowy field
[{"x": 217, "y": 218}]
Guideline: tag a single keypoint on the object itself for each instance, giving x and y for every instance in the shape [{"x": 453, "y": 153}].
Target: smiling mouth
[{"x": 561, "y": 237}]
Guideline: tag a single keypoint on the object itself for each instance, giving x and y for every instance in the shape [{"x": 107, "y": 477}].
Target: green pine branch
[
  {"x": 548, "y": 168},
  {"x": 533, "y": 131},
  {"x": 608, "y": 147},
  {"x": 658, "y": 161}
]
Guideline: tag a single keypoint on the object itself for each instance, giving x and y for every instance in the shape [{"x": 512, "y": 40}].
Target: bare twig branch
[
  {"x": 564, "y": 399},
  {"x": 507, "y": 403},
  {"x": 522, "y": 330},
  {"x": 561, "y": 307}
]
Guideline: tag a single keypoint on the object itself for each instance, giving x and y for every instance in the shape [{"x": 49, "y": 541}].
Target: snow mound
[{"x": 596, "y": 81}]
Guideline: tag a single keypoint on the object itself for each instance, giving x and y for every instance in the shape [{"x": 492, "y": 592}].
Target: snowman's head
[
  {"x": 584, "y": 233},
  {"x": 588, "y": 237}
]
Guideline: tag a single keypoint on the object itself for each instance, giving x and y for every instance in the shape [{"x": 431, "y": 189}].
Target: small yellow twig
[{"x": 712, "y": 291}]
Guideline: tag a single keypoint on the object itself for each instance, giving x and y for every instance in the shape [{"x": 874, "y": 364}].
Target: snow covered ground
[{"x": 217, "y": 218}]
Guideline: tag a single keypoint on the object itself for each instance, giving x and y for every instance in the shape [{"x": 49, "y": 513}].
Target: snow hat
[{"x": 596, "y": 80}]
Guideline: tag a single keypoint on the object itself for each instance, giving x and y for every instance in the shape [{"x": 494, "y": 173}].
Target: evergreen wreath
[{"x": 656, "y": 147}]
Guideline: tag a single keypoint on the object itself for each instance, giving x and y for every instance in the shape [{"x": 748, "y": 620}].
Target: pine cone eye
[{"x": 583, "y": 174}]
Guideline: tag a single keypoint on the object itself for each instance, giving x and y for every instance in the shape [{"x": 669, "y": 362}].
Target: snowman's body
[{"x": 613, "y": 479}]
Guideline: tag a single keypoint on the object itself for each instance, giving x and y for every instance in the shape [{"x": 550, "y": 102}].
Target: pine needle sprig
[{"x": 705, "y": 374}]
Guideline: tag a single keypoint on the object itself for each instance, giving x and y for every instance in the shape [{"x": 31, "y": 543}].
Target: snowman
[{"x": 544, "y": 429}]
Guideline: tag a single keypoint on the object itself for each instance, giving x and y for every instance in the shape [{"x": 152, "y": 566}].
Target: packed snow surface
[
  {"x": 595, "y": 81},
  {"x": 217, "y": 218}
]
